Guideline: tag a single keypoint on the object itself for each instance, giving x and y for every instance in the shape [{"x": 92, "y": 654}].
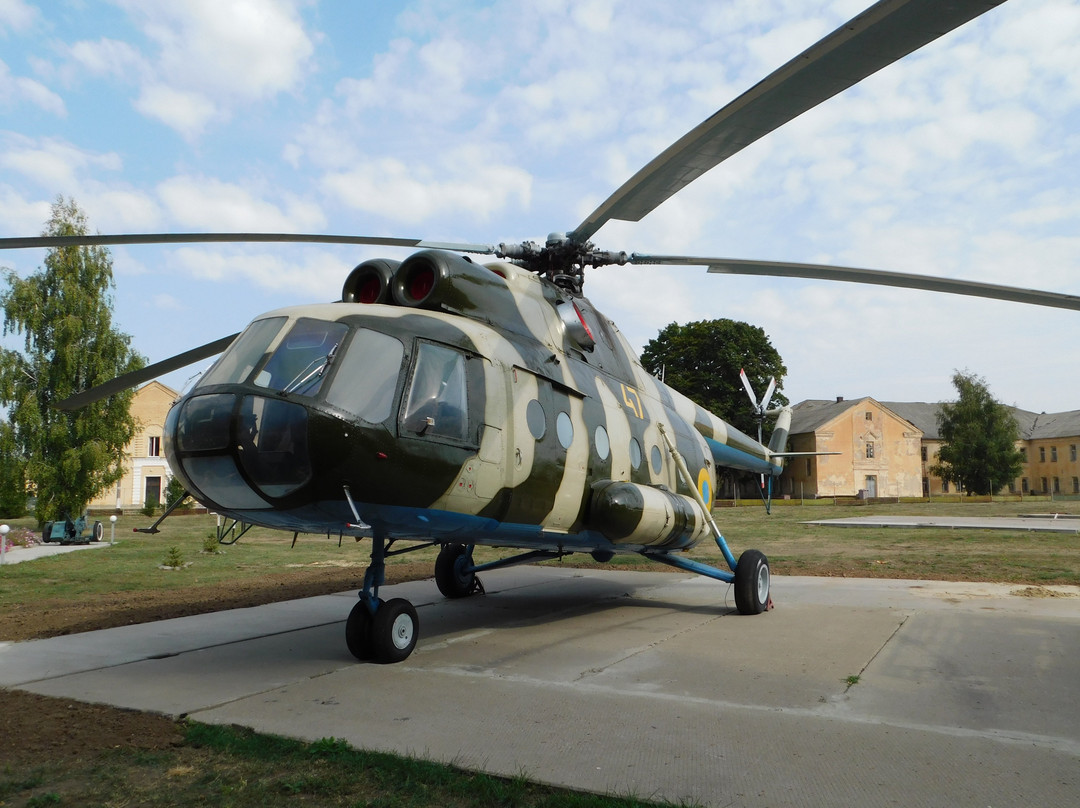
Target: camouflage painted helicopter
[{"x": 446, "y": 402}]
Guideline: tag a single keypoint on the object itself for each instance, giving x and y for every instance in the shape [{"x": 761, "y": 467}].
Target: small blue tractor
[{"x": 68, "y": 531}]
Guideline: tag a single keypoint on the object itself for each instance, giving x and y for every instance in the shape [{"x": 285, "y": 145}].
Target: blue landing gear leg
[
  {"x": 377, "y": 630},
  {"x": 750, "y": 575}
]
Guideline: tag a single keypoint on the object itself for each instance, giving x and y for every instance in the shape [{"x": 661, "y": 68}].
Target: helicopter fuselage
[{"x": 458, "y": 402}]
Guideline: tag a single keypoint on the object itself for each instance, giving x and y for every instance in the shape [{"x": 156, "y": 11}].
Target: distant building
[
  {"x": 887, "y": 449},
  {"x": 879, "y": 451},
  {"x": 146, "y": 474}
]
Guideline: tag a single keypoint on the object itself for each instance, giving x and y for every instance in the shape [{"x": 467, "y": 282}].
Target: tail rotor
[{"x": 761, "y": 409}]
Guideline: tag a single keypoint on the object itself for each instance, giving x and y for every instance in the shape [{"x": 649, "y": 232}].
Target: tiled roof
[{"x": 811, "y": 414}]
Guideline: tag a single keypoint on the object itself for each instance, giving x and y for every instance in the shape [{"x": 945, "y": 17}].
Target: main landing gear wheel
[
  {"x": 450, "y": 575},
  {"x": 99, "y": 531},
  {"x": 394, "y": 631},
  {"x": 752, "y": 583}
]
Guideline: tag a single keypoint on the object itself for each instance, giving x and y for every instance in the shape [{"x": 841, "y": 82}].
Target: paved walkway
[
  {"x": 17, "y": 555},
  {"x": 851, "y": 692}
]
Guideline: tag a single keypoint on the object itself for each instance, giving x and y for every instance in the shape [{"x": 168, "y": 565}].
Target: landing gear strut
[{"x": 377, "y": 630}]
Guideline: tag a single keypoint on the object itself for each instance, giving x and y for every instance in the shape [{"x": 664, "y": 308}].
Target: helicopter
[{"x": 452, "y": 401}]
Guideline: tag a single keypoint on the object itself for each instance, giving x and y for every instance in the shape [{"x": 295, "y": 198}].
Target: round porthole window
[
  {"x": 656, "y": 459},
  {"x": 564, "y": 428},
  {"x": 635, "y": 453},
  {"x": 535, "y": 418},
  {"x": 603, "y": 445}
]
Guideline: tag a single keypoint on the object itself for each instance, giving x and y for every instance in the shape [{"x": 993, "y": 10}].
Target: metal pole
[
  {"x": 112, "y": 530},
  {"x": 3, "y": 542}
]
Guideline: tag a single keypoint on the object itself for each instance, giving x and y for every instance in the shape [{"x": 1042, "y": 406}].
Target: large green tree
[
  {"x": 12, "y": 475},
  {"x": 979, "y": 451},
  {"x": 64, "y": 314},
  {"x": 702, "y": 361}
]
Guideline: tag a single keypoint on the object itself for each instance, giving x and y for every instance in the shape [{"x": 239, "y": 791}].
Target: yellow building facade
[
  {"x": 878, "y": 451},
  {"x": 887, "y": 449},
  {"x": 146, "y": 474}
]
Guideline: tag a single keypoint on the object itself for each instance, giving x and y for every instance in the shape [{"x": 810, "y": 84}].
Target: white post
[
  {"x": 112, "y": 530},
  {"x": 3, "y": 542}
]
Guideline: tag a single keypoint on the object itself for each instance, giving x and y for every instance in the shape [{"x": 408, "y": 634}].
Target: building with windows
[
  {"x": 886, "y": 449},
  {"x": 877, "y": 451},
  {"x": 145, "y": 471}
]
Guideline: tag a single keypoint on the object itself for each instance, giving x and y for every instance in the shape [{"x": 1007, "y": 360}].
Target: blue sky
[{"x": 456, "y": 121}]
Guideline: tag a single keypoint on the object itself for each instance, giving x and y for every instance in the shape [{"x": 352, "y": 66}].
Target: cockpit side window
[
  {"x": 438, "y": 396},
  {"x": 298, "y": 364},
  {"x": 245, "y": 354},
  {"x": 367, "y": 376}
]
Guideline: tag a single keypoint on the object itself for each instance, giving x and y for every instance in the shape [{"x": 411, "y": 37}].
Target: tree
[
  {"x": 702, "y": 361},
  {"x": 12, "y": 475},
  {"x": 64, "y": 313},
  {"x": 979, "y": 451}
]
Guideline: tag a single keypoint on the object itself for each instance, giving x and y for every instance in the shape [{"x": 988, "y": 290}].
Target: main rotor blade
[
  {"x": 148, "y": 373},
  {"x": 884, "y": 33},
  {"x": 199, "y": 238},
  {"x": 735, "y": 266}
]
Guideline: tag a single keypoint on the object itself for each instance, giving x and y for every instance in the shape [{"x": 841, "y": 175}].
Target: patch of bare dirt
[
  {"x": 53, "y": 618},
  {"x": 39, "y": 728},
  {"x": 1041, "y": 592}
]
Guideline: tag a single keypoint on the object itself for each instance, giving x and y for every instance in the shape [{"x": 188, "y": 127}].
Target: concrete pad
[
  {"x": 646, "y": 683},
  {"x": 1036, "y": 524}
]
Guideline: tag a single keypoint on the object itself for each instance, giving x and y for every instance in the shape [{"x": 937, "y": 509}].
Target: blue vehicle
[{"x": 68, "y": 531}]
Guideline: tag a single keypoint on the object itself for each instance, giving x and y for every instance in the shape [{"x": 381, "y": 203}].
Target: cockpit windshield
[
  {"x": 366, "y": 365},
  {"x": 245, "y": 354},
  {"x": 367, "y": 376},
  {"x": 299, "y": 363}
]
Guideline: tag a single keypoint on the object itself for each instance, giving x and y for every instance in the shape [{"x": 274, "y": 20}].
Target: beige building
[
  {"x": 887, "y": 450},
  {"x": 145, "y": 471},
  {"x": 878, "y": 451}
]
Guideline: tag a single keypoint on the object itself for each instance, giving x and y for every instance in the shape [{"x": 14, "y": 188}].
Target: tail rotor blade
[
  {"x": 749, "y": 389},
  {"x": 766, "y": 399}
]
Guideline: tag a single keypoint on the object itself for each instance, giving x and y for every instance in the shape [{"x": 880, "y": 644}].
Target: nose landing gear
[
  {"x": 386, "y": 635},
  {"x": 377, "y": 630}
]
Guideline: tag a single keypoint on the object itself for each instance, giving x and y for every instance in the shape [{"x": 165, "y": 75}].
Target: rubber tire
[
  {"x": 46, "y": 533},
  {"x": 752, "y": 582},
  {"x": 358, "y": 632},
  {"x": 452, "y": 582},
  {"x": 99, "y": 531},
  {"x": 394, "y": 631}
]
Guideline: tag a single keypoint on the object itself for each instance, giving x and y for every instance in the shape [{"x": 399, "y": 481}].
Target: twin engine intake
[{"x": 431, "y": 279}]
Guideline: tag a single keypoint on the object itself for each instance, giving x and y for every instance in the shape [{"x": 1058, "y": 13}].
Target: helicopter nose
[{"x": 246, "y": 449}]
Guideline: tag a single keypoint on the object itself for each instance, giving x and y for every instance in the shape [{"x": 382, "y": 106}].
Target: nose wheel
[
  {"x": 387, "y": 636},
  {"x": 377, "y": 630}
]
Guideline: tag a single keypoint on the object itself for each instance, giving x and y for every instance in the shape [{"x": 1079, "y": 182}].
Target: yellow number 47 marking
[{"x": 632, "y": 400}]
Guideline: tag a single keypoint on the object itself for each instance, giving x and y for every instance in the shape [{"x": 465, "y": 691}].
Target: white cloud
[
  {"x": 203, "y": 58},
  {"x": 109, "y": 57},
  {"x": 21, "y": 216},
  {"x": 246, "y": 49},
  {"x": 52, "y": 163},
  {"x": 17, "y": 15},
  {"x": 18, "y": 89},
  {"x": 209, "y": 204},
  {"x": 410, "y": 193},
  {"x": 186, "y": 112},
  {"x": 315, "y": 275}
]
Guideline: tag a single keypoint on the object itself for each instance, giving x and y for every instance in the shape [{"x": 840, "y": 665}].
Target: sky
[{"x": 470, "y": 122}]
